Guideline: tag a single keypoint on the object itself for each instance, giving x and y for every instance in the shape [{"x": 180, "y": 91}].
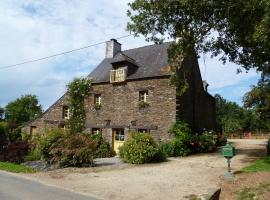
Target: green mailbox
[{"x": 228, "y": 151}]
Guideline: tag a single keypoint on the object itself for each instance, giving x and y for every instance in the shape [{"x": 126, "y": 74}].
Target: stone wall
[
  {"x": 120, "y": 107},
  {"x": 51, "y": 118}
]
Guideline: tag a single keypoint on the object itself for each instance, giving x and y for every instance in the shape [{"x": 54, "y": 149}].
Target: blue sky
[{"x": 31, "y": 29}]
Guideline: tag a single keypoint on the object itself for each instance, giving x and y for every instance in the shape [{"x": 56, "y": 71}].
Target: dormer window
[
  {"x": 118, "y": 75},
  {"x": 66, "y": 112}
]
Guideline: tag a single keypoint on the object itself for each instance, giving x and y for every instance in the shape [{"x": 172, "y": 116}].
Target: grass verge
[
  {"x": 260, "y": 165},
  {"x": 11, "y": 167},
  {"x": 262, "y": 191}
]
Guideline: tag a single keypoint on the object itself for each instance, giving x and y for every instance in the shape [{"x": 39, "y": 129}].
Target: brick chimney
[
  {"x": 112, "y": 48},
  {"x": 205, "y": 85}
]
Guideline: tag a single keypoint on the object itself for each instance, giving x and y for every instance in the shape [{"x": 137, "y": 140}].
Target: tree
[
  {"x": 2, "y": 112},
  {"x": 236, "y": 119},
  {"x": 22, "y": 110},
  {"x": 259, "y": 99},
  {"x": 236, "y": 30}
]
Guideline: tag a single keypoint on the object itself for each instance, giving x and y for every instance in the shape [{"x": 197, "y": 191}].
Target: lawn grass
[
  {"x": 11, "y": 167},
  {"x": 260, "y": 165},
  {"x": 262, "y": 191}
]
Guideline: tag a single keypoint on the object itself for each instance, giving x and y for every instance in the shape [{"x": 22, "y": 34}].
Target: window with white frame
[
  {"x": 66, "y": 112},
  {"x": 97, "y": 99},
  {"x": 143, "y": 96},
  {"x": 118, "y": 75}
]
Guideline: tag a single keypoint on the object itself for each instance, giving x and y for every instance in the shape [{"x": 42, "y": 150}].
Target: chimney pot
[{"x": 112, "y": 48}]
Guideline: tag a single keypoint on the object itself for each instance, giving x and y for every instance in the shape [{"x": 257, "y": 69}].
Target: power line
[{"x": 58, "y": 54}]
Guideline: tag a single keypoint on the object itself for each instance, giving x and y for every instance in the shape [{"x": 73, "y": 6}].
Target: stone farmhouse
[{"x": 131, "y": 91}]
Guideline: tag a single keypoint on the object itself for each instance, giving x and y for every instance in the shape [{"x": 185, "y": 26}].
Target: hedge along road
[{"x": 13, "y": 187}]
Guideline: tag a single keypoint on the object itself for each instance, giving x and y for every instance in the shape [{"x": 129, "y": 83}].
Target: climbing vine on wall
[
  {"x": 176, "y": 58},
  {"x": 78, "y": 89}
]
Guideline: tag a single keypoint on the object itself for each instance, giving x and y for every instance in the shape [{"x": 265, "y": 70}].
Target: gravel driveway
[{"x": 174, "y": 179}]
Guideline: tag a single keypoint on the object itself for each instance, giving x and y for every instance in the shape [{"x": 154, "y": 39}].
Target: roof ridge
[{"x": 147, "y": 46}]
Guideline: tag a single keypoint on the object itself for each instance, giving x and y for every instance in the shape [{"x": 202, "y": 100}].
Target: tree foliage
[
  {"x": 78, "y": 89},
  {"x": 22, "y": 110},
  {"x": 259, "y": 99},
  {"x": 236, "y": 30},
  {"x": 2, "y": 113},
  {"x": 236, "y": 119}
]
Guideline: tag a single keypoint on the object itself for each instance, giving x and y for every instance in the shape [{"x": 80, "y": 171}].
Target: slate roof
[
  {"x": 150, "y": 61},
  {"x": 121, "y": 57}
]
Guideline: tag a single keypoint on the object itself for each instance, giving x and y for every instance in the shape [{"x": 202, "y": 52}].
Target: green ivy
[{"x": 78, "y": 89}]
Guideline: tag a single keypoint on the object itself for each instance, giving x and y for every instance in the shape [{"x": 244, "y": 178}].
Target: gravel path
[{"x": 174, "y": 179}]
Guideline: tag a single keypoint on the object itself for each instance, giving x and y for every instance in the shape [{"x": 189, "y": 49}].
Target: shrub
[
  {"x": 3, "y": 135},
  {"x": 221, "y": 140},
  {"x": 104, "y": 149},
  {"x": 140, "y": 148},
  {"x": 180, "y": 128},
  {"x": 44, "y": 141},
  {"x": 181, "y": 147},
  {"x": 33, "y": 154},
  {"x": 14, "y": 152},
  {"x": 167, "y": 148},
  {"x": 73, "y": 150},
  {"x": 207, "y": 141},
  {"x": 183, "y": 139},
  {"x": 15, "y": 135}
]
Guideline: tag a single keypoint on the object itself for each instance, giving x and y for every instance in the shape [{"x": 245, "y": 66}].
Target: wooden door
[{"x": 118, "y": 139}]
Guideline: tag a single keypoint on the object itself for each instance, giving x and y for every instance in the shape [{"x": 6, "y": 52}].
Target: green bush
[
  {"x": 75, "y": 150},
  {"x": 186, "y": 142},
  {"x": 207, "y": 141},
  {"x": 104, "y": 149},
  {"x": 180, "y": 128},
  {"x": 183, "y": 139},
  {"x": 181, "y": 147},
  {"x": 140, "y": 148},
  {"x": 167, "y": 148},
  {"x": 44, "y": 141},
  {"x": 33, "y": 154}
]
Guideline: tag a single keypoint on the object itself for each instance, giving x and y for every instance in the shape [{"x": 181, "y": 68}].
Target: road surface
[{"x": 16, "y": 188}]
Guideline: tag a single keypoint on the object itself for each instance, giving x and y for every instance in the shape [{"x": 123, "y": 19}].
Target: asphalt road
[{"x": 16, "y": 188}]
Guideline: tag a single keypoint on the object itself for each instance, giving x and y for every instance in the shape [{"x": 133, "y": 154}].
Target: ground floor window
[
  {"x": 63, "y": 126},
  {"x": 143, "y": 131},
  {"x": 96, "y": 131},
  {"x": 119, "y": 134}
]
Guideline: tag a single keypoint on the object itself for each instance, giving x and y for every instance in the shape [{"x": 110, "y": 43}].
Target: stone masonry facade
[
  {"x": 120, "y": 106},
  {"x": 120, "y": 109}
]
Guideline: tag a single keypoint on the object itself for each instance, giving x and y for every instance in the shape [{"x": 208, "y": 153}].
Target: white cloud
[
  {"x": 31, "y": 29},
  {"x": 220, "y": 75}
]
